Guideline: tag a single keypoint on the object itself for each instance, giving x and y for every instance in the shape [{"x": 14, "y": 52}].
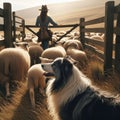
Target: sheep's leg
[
  {"x": 42, "y": 91},
  {"x": 32, "y": 97},
  {"x": 7, "y": 88},
  {"x": 6, "y": 71},
  {"x": 7, "y": 83}
]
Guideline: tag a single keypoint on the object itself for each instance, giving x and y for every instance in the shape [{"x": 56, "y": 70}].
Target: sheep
[
  {"x": 54, "y": 52},
  {"x": 96, "y": 37},
  {"x": 36, "y": 80},
  {"x": 78, "y": 55},
  {"x": 14, "y": 64},
  {"x": 73, "y": 43},
  {"x": 35, "y": 52},
  {"x": 34, "y": 49}
]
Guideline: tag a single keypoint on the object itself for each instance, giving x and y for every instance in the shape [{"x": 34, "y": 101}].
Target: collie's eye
[{"x": 53, "y": 65}]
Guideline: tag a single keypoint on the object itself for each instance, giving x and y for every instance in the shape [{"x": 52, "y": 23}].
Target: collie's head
[
  {"x": 65, "y": 73},
  {"x": 62, "y": 70}
]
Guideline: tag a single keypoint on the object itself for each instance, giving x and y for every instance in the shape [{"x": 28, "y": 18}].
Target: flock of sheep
[{"x": 24, "y": 61}]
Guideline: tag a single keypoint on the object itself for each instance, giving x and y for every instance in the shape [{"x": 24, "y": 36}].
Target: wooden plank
[
  {"x": 95, "y": 21},
  {"x": 117, "y": 30},
  {"x": 66, "y": 33},
  {"x": 2, "y": 43},
  {"x": 23, "y": 31},
  {"x": 18, "y": 17},
  {"x": 1, "y": 27},
  {"x": 117, "y": 47},
  {"x": 99, "y": 53},
  {"x": 14, "y": 28},
  {"x": 1, "y": 12},
  {"x": 19, "y": 29},
  {"x": 31, "y": 30},
  {"x": 59, "y": 26},
  {"x": 8, "y": 25},
  {"x": 90, "y": 47},
  {"x": 97, "y": 42},
  {"x": 19, "y": 22},
  {"x": 109, "y": 23},
  {"x": 82, "y": 33},
  {"x": 97, "y": 30},
  {"x": 117, "y": 8}
]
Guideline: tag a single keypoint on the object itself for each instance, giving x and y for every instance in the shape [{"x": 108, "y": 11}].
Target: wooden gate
[{"x": 74, "y": 26}]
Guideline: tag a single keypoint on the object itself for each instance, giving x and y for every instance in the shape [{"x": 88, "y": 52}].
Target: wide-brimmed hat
[{"x": 44, "y": 8}]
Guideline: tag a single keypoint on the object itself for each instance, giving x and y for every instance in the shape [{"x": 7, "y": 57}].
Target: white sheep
[
  {"x": 54, "y": 52},
  {"x": 35, "y": 52},
  {"x": 14, "y": 64},
  {"x": 36, "y": 80},
  {"x": 73, "y": 43},
  {"x": 77, "y": 55},
  {"x": 34, "y": 49}
]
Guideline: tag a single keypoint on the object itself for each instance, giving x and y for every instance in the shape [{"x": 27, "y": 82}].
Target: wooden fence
[
  {"x": 74, "y": 26},
  {"x": 112, "y": 13},
  {"x": 11, "y": 25},
  {"x": 18, "y": 26},
  {"x": 6, "y": 27}
]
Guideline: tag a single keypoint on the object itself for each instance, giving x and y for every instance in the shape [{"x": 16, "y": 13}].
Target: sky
[{"x": 23, "y": 4}]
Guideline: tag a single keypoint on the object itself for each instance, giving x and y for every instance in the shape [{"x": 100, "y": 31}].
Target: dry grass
[
  {"x": 18, "y": 107},
  {"x": 109, "y": 83}
]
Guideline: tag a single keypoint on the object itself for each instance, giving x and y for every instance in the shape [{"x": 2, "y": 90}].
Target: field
[{"x": 18, "y": 106}]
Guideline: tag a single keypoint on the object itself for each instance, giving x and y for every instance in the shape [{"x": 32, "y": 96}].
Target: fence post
[
  {"x": 14, "y": 27},
  {"x": 7, "y": 25},
  {"x": 82, "y": 33},
  {"x": 117, "y": 47},
  {"x": 23, "y": 31},
  {"x": 108, "y": 47}
]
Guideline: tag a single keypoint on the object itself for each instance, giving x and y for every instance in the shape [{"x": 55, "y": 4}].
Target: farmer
[{"x": 43, "y": 20}]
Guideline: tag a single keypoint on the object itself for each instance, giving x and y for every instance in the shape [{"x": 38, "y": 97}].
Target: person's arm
[
  {"x": 37, "y": 21},
  {"x": 52, "y": 22}
]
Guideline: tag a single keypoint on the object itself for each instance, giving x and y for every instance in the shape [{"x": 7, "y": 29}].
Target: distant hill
[{"x": 65, "y": 13}]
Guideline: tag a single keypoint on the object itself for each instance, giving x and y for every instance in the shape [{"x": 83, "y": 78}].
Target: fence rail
[
  {"x": 74, "y": 26},
  {"x": 95, "y": 21},
  {"x": 18, "y": 26},
  {"x": 112, "y": 13}
]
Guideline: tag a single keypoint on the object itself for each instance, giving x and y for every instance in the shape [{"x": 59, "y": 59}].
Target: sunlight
[
  {"x": 21, "y": 4},
  {"x": 54, "y": 1}
]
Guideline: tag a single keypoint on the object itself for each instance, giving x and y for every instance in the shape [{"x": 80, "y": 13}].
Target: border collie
[{"x": 71, "y": 97}]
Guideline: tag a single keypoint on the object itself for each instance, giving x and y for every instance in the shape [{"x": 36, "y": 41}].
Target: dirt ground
[{"x": 18, "y": 106}]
